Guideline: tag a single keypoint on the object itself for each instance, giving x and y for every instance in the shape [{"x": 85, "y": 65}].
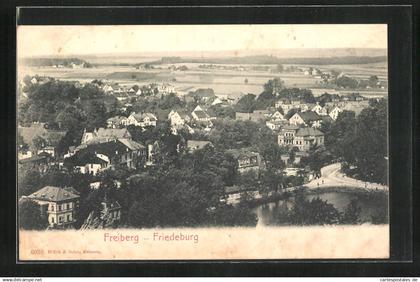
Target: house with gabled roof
[
  {"x": 116, "y": 122},
  {"x": 320, "y": 110},
  {"x": 141, "y": 119},
  {"x": 301, "y": 137},
  {"x": 335, "y": 112},
  {"x": 116, "y": 152},
  {"x": 308, "y": 118},
  {"x": 101, "y": 135},
  {"x": 248, "y": 160},
  {"x": 59, "y": 204}
]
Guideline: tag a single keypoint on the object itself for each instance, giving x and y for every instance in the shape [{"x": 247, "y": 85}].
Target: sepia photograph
[{"x": 245, "y": 141}]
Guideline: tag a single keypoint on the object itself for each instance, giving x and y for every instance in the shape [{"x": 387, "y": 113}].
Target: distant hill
[
  {"x": 264, "y": 59},
  {"x": 43, "y": 62}
]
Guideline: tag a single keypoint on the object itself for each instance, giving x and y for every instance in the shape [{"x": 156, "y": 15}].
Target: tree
[
  {"x": 274, "y": 86},
  {"x": 280, "y": 68},
  {"x": 39, "y": 142},
  {"x": 346, "y": 82},
  {"x": 30, "y": 217},
  {"x": 373, "y": 81},
  {"x": 341, "y": 137},
  {"x": 352, "y": 213},
  {"x": 313, "y": 212},
  {"x": 246, "y": 104},
  {"x": 23, "y": 146}
]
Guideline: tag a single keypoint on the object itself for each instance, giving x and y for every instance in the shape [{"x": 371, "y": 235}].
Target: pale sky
[{"x": 73, "y": 40}]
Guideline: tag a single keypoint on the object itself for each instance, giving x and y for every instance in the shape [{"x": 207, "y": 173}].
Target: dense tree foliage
[
  {"x": 30, "y": 217},
  {"x": 362, "y": 142}
]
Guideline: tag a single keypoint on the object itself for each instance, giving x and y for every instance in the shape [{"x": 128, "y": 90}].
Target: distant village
[{"x": 296, "y": 123}]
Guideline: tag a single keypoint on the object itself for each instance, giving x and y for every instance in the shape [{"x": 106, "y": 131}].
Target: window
[
  {"x": 52, "y": 207},
  {"x": 52, "y": 220},
  {"x": 59, "y": 207}
]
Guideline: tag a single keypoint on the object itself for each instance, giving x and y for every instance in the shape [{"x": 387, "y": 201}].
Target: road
[{"x": 331, "y": 176}]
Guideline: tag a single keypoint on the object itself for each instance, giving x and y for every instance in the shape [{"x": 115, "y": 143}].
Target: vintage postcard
[{"x": 219, "y": 142}]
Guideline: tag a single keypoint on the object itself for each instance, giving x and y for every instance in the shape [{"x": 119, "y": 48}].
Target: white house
[
  {"x": 334, "y": 112},
  {"x": 141, "y": 119},
  {"x": 277, "y": 116},
  {"x": 322, "y": 111}
]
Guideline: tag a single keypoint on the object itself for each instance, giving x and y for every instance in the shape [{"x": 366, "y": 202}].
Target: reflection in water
[{"x": 276, "y": 213}]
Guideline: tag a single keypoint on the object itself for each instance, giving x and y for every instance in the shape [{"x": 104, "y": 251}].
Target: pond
[{"x": 373, "y": 205}]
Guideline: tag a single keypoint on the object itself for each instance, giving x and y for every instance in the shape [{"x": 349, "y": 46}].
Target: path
[{"x": 331, "y": 176}]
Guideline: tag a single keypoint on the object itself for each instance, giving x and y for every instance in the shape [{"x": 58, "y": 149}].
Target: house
[
  {"x": 91, "y": 163},
  {"x": 141, "y": 119},
  {"x": 51, "y": 137},
  {"x": 307, "y": 137},
  {"x": 322, "y": 111},
  {"x": 165, "y": 88},
  {"x": 104, "y": 135},
  {"x": 247, "y": 160},
  {"x": 334, "y": 112},
  {"x": 275, "y": 124},
  {"x": 194, "y": 145},
  {"x": 287, "y": 135},
  {"x": 125, "y": 152},
  {"x": 255, "y": 116},
  {"x": 178, "y": 117},
  {"x": 306, "y": 106},
  {"x": 277, "y": 116},
  {"x": 200, "y": 95},
  {"x": 60, "y": 205},
  {"x": 107, "y": 88},
  {"x": 111, "y": 211},
  {"x": 307, "y": 118},
  {"x": 302, "y": 138},
  {"x": 115, "y": 122},
  {"x": 48, "y": 149},
  {"x": 216, "y": 101},
  {"x": 179, "y": 120},
  {"x": 200, "y": 116}
]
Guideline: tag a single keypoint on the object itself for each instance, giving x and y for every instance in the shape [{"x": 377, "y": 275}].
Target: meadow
[{"x": 222, "y": 81}]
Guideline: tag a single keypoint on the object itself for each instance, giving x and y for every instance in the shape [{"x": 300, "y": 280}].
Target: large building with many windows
[
  {"x": 58, "y": 204},
  {"x": 301, "y": 137}
]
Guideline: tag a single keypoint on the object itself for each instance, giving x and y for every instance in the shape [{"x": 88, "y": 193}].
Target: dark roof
[
  {"x": 54, "y": 194},
  {"x": 242, "y": 153},
  {"x": 327, "y": 119},
  {"x": 291, "y": 127},
  {"x": 201, "y": 114},
  {"x": 109, "y": 149},
  {"x": 34, "y": 159},
  {"x": 309, "y": 116},
  {"x": 309, "y": 131}
]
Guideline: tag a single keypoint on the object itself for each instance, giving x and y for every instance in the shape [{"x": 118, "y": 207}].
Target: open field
[{"x": 222, "y": 81}]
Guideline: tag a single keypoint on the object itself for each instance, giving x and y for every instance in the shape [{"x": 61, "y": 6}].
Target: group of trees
[
  {"x": 67, "y": 107},
  {"x": 274, "y": 89},
  {"x": 361, "y": 142}
]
